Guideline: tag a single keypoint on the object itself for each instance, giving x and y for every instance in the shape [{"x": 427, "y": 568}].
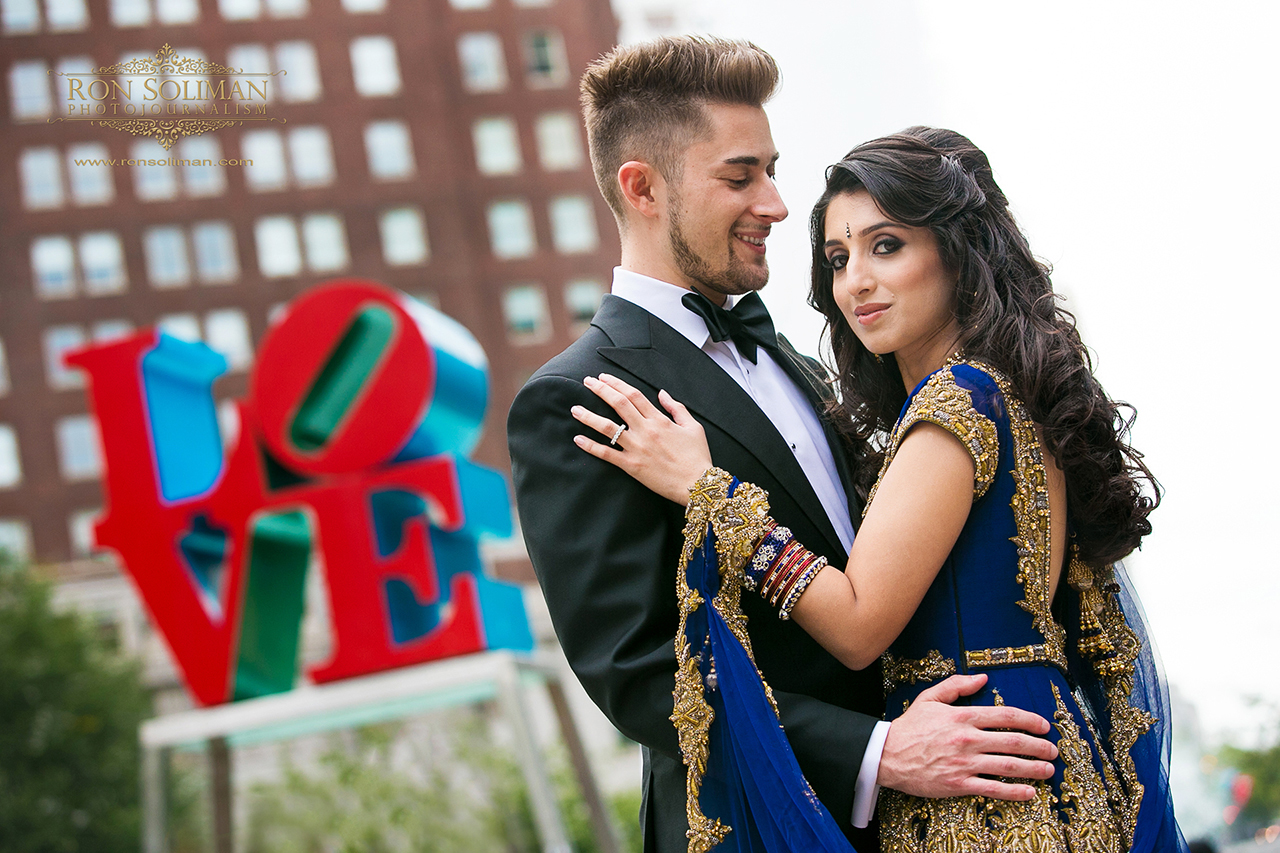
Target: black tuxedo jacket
[{"x": 606, "y": 550}]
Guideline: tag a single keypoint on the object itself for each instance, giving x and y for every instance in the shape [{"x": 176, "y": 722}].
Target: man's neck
[{"x": 657, "y": 263}]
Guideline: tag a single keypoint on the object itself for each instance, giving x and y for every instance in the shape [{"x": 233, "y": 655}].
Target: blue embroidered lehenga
[{"x": 1081, "y": 659}]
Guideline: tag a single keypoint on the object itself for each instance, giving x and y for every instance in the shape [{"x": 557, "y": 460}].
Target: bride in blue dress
[{"x": 1001, "y": 494}]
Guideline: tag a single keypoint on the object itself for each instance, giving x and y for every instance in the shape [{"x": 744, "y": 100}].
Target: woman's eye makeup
[
  {"x": 836, "y": 262},
  {"x": 886, "y": 245}
]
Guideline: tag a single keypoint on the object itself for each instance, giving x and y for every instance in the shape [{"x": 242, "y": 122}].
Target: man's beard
[{"x": 735, "y": 278}]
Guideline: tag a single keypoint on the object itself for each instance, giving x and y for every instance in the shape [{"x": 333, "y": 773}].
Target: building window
[
  {"x": 573, "y": 225},
  {"x": 79, "y": 453},
  {"x": 193, "y": 83},
  {"x": 497, "y": 146},
  {"x": 390, "y": 150},
  {"x": 227, "y": 332},
  {"x": 525, "y": 309},
  {"x": 511, "y": 232},
  {"x": 325, "y": 240},
  {"x": 80, "y": 528},
  {"x": 102, "y": 263},
  {"x": 20, "y": 16},
  {"x": 239, "y": 10},
  {"x": 130, "y": 13},
  {"x": 177, "y": 12},
  {"x": 41, "y": 171},
  {"x": 53, "y": 265},
  {"x": 106, "y": 331},
  {"x": 30, "y": 93},
  {"x": 545, "y": 64},
  {"x": 4, "y": 371},
  {"x": 301, "y": 82},
  {"x": 581, "y": 299},
  {"x": 153, "y": 178},
  {"x": 15, "y": 538},
  {"x": 184, "y": 327},
  {"x": 404, "y": 237},
  {"x": 166, "y": 251},
  {"x": 278, "y": 251},
  {"x": 311, "y": 155},
  {"x": 559, "y": 141},
  {"x": 374, "y": 64},
  {"x": 247, "y": 10},
  {"x": 364, "y": 7},
  {"x": 90, "y": 182},
  {"x": 265, "y": 150},
  {"x": 484, "y": 69},
  {"x": 251, "y": 59},
  {"x": 133, "y": 84},
  {"x": 255, "y": 61},
  {"x": 287, "y": 8},
  {"x": 201, "y": 173},
  {"x": 215, "y": 249},
  {"x": 10, "y": 461},
  {"x": 66, "y": 15},
  {"x": 58, "y": 341},
  {"x": 70, "y": 65}
]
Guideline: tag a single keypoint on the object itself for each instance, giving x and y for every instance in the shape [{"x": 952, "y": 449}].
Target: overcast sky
[{"x": 1138, "y": 145}]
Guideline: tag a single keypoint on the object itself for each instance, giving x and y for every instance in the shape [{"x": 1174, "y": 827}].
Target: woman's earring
[{"x": 879, "y": 360}]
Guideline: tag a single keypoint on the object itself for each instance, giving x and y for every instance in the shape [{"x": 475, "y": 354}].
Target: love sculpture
[{"x": 362, "y": 408}]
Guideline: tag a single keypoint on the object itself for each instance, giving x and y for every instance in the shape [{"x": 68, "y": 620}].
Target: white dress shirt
[{"x": 791, "y": 413}]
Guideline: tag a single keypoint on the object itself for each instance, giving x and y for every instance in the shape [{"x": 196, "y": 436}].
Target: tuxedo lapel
[{"x": 654, "y": 352}]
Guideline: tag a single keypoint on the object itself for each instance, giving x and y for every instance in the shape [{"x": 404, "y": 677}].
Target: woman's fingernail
[
  {"x": 589, "y": 381},
  {"x": 576, "y": 410},
  {"x": 580, "y": 440},
  {"x": 605, "y": 377}
]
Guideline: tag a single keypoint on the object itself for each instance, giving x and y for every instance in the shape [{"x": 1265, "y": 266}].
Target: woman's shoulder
[
  {"x": 962, "y": 383},
  {"x": 966, "y": 398}
]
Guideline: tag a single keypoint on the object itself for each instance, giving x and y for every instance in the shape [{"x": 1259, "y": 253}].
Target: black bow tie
[{"x": 748, "y": 323}]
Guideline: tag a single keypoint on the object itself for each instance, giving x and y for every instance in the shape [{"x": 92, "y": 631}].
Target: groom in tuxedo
[{"x": 683, "y": 153}]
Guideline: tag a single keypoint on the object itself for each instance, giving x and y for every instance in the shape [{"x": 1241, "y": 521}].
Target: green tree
[
  {"x": 1263, "y": 765},
  {"x": 467, "y": 798},
  {"x": 69, "y": 715}
]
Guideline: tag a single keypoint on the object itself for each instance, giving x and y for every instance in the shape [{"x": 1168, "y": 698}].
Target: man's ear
[{"x": 643, "y": 188}]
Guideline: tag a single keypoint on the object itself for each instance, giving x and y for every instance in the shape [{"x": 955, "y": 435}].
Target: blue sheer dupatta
[
  {"x": 745, "y": 789},
  {"x": 1116, "y": 669}
]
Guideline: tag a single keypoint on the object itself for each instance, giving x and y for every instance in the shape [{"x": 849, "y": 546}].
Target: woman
[{"x": 1006, "y": 492}]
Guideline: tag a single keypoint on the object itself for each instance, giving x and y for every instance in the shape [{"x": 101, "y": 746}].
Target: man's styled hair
[{"x": 646, "y": 101}]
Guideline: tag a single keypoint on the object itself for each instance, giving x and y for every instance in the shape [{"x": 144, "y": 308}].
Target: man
[{"x": 683, "y": 153}]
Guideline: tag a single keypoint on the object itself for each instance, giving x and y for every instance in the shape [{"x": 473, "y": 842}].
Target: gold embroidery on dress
[
  {"x": 1112, "y": 647},
  {"x": 738, "y": 523},
  {"x": 1008, "y": 656},
  {"x": 970, "y": 824},
  {"x": 898, "y": 671},
  {"x": 1080, "y": 820},
  {"x": 1098, "y": 809},
  {"x": 935, "y": 666},
  {"x": 1030, "y": 505},
  {"x": 943, "y": 402},
  {"x": 1092, "y": 825},
  {"x": 692, "y": 715}
]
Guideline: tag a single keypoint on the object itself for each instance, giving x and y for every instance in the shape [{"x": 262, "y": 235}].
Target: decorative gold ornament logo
[{"x": 133, "y": 96}]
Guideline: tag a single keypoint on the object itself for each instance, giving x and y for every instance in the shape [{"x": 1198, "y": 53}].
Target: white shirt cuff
[{"x": 865, "y": 790}]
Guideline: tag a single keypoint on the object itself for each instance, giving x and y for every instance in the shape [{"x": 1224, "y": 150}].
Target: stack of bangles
[{"x": 781, "y": 568}]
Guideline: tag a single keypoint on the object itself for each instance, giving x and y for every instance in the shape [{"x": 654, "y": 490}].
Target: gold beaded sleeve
[{"x": 943, "y": 401}]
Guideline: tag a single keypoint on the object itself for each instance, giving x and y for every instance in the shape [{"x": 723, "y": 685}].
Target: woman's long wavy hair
[{"x": 1009, "y": 317}]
